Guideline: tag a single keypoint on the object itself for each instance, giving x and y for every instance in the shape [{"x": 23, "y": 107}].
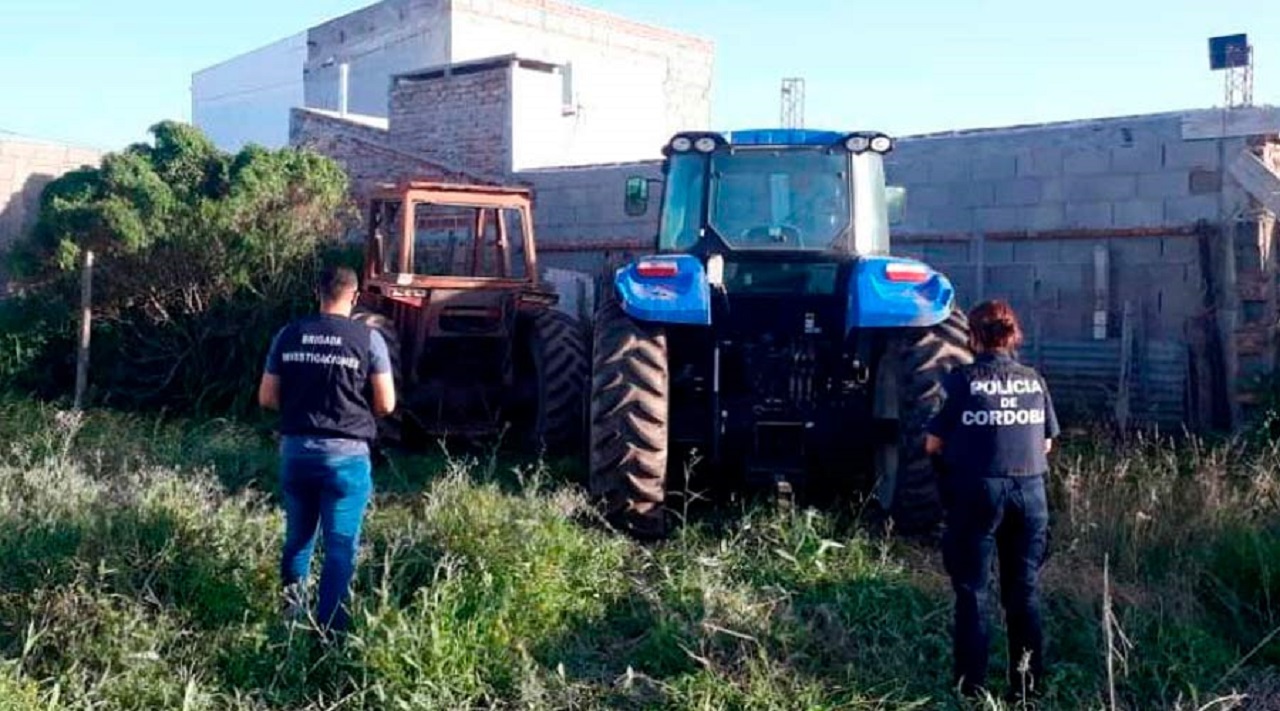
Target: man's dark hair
[{"x": 334, "y": 281}]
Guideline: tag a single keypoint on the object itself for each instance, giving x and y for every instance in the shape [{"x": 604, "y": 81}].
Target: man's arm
[
  {"x": 381, "y": 377},
  {"x": 269, "y": 386},
  {"x": 269, "y": 391},
  {"x": 942, "y": 424}
]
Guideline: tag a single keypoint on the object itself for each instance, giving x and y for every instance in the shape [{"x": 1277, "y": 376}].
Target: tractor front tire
[
  {"x": 629, "y": 416},
  {"x": 561, "y": 369},
  {"x": 390, "y": 427},
  {"x": 914, "y": 364}
]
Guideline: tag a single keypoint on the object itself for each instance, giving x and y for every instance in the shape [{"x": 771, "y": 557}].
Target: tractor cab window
[
  {"x": 387, "y": 226},
  {"x": 683, "y": 200},
  {"x": 442, "y": 239},
  {"x": 514, "y": 219},
  {"x": 454, "y": 240},
  {"x": 781, "y": 199}
]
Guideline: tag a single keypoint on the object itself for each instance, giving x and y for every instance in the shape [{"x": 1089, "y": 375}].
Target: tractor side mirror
[
  {"x": 895, "y": 199},
  {"x": 636, "y": 202}
]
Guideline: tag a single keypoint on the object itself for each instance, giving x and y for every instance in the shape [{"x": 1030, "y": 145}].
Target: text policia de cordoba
[
  {"x": 1011, "y": 412},
  {"x": 314, "y": 358}
]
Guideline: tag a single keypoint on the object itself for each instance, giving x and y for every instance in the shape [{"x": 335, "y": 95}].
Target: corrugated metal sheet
[{"x": 1084, "y": 378}]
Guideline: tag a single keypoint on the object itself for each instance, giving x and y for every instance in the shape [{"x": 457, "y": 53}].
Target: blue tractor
[{"x": 771, "y": 338}]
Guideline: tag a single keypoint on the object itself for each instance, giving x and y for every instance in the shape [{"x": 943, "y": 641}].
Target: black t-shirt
[
  {"x": 995, "y": 419},
  {"x": 324, "y": 363}
]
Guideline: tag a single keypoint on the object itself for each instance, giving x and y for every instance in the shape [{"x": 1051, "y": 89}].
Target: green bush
[{"x": 200, "y": 256}]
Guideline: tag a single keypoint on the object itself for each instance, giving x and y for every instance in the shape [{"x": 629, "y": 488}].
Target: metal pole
[
  {"x": 980, "y": 244},
  {"x": 86, "y": 323},
  {"x": 344, "y": 86}
]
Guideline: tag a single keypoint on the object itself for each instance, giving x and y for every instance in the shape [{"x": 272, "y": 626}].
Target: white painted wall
[
  {"x": 635, "y": 85},
  {"x": 377, "y": 42},
  {"x": 247, "y": 99},
  {"x": 619, "y": 114}
]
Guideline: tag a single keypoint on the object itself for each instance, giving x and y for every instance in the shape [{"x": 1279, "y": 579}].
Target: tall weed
[{"x": 138, "y": 574}]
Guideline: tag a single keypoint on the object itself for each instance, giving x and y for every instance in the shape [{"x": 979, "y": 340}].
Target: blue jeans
[
  {"x": 329, "y": 492},
  {"x": 1008, "y": 518}
]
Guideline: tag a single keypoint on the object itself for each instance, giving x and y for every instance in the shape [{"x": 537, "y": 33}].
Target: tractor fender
[
  {"x": 667, "y": 288},
  {"x": 895, "y": 292}
]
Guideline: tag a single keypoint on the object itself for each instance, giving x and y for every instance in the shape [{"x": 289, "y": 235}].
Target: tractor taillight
[
  {"x": 657, "y": 268},
  {"x": 906, "y": 272}
]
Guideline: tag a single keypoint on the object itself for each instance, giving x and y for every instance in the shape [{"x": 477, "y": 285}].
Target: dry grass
[{"x": 140, "y": 573}]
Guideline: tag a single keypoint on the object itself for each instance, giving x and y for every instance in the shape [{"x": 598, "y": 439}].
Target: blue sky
[{"x": 98, "y": 72}]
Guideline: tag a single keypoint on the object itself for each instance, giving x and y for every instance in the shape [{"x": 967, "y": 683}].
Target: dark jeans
[
  {"x": 329, "y": 492},
  {"x": 1009, "y": 518}
]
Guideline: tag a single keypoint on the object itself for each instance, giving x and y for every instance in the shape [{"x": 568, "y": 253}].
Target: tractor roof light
[
  {"x": 857, "y": 143},
  {"x": 706, "y": 144},
  {"x": 681, "y": 144}
]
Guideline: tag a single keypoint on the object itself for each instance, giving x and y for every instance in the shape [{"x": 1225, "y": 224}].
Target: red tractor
[{"x": 451, "y": 282}]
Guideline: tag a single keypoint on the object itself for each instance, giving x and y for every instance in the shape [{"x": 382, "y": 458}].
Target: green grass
[{"x": 138, "y": 571}]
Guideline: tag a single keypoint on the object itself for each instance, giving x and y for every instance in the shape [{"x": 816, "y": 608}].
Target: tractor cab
[
  {"x": 777, "y": 191},
  {"x": 452, "y": 283}
]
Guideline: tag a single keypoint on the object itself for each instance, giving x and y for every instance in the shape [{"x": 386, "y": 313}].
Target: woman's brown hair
[{"x": 994, "y": 326}]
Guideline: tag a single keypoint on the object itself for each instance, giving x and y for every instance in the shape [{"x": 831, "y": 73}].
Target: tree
[{"x": 200, "y": 256}]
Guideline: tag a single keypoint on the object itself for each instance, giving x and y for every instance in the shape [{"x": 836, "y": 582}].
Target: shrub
[{"x": 200, "y": 256}]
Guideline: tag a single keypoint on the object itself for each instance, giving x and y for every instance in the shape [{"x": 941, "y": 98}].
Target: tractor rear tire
[
  {"x": 390, "y": 427},
  {"x": 918, "y": 360},
  {"x": 561, "y": 369},
  {"x": 629, "y": 418}
]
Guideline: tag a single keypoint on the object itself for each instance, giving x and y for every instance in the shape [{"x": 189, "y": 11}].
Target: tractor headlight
[
  {"x": 681, "y": 144},
  {"x": 706, "y": 144},
  {"x": 882, "y": 144},
  {"x": 857, "y": 144}
]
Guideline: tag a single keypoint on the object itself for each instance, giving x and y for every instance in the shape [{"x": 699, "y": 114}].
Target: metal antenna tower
[
  {"x": 1233, "y": 56},
  {"x": 1239, "y": 77},
  {"x": 793, "y": 102}
]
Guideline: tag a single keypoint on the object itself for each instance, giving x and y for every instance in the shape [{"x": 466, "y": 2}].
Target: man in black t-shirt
[
  {"x": 993, "y": 434},
  {"x": 329, "y": 376}
]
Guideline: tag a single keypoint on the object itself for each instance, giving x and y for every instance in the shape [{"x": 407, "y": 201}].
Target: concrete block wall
[
  {"x": 1117, "y": 173},
  {"x": 26, "y": 167},
  {"x": 1052, "y": 282},
  {"x": 460, "y": 117},
  {"x": 580, "y": 217}
]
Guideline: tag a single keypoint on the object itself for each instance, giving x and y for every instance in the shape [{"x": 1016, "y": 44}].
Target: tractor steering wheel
[{"x": 779, "y": 234}]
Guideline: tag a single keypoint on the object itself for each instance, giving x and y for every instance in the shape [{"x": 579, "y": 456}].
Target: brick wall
[
  {"x": 459, "y": 119},
  {"x": 26, "y": 166},
  {"x": 367, "y": 154}
]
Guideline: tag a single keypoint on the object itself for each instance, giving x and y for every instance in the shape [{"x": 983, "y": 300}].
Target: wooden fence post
[{"x": 86, "y": 324}]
